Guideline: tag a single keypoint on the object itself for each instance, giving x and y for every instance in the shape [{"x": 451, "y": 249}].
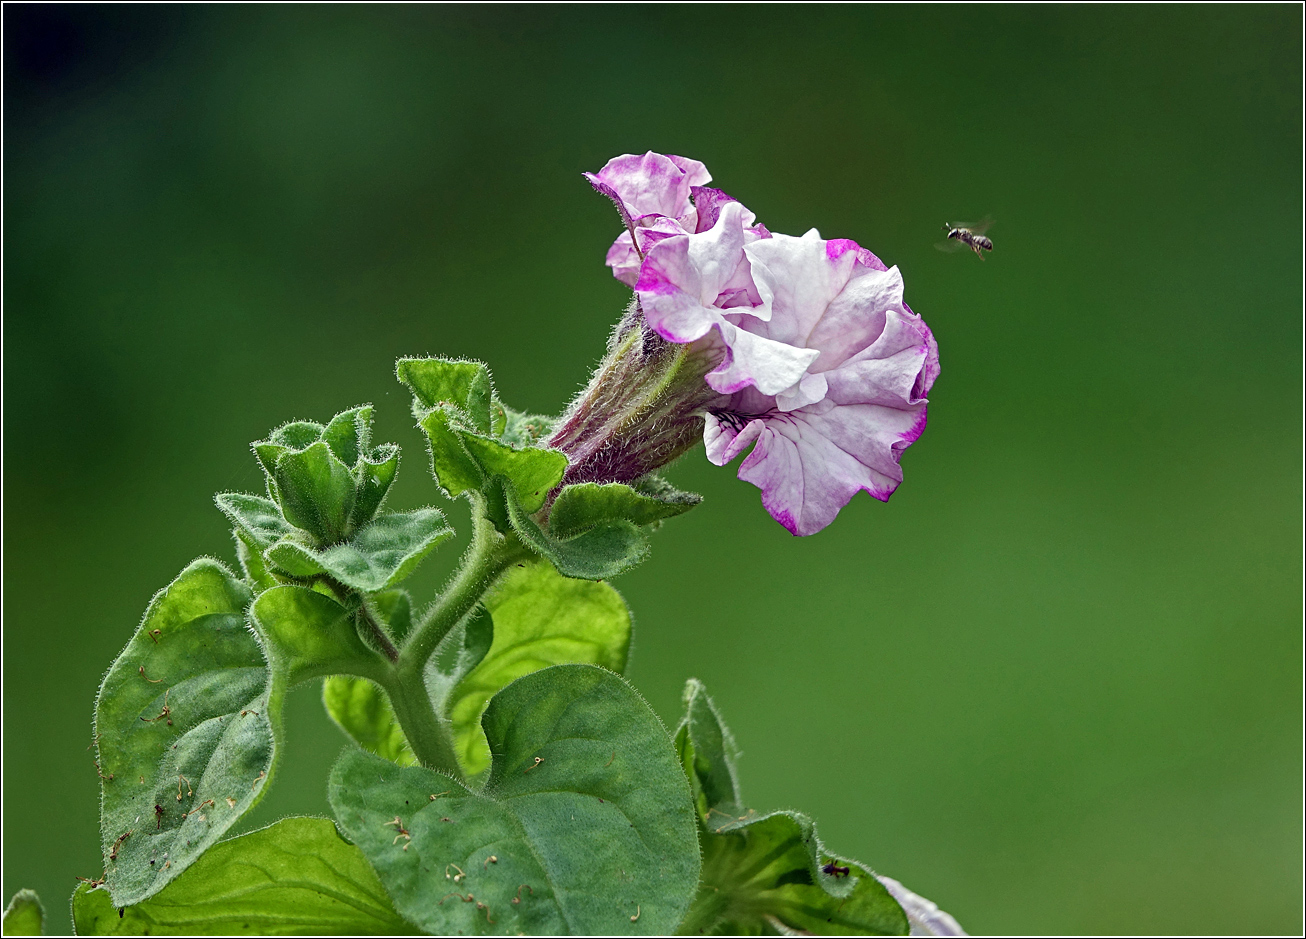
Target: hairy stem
[
  {"x": 488, "y": 556},
  {"x": 429, "y": 737}
]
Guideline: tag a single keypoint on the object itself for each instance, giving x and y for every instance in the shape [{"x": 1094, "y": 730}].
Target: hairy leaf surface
[
  {"x": 764, "y": 874},
  {"x": 185, "y": 729},
  {"x": 376, "y": 557},
  {"x": 582, "y": 506},
  {"x": 361, "y": 708},
  {"x": 24, "y": 916},
  {"x": 295, "y": 878},
  {"x": 585, "y": 821},
  {"x": 540, "y": 619},
  {"x": 600, "y": 552}
]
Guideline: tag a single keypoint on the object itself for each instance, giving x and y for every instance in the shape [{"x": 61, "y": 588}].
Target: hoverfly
[{"x": 964, "y": 234}]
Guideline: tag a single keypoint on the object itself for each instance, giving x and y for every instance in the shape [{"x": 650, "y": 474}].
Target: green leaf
[
  {"x": 349, "y": 434},
  {"x": 395, "y": 608},
  {"x": 317, "y": 492},
  {"x": 465, "y": 385},
  {"x": 361, "y": 709},
  {"x": 708, "y": 753},
  {"x": 257, "y": 519},
  {"x": 309, "y": 634},
  {"x": 453, "y": 466},
  {"x": 766, "y": 874},
  {"x": 378, "y": 556},
  {"x": 580, "y": 507},
  {"x": 769, "y": 874},
  {"x": 602, "y": 552},
  {"x": 374, "y": 473},
  {"x": 655, "y": 487},
  {"x": 24, "y": 916},
  {"x": 540, "y": 619},
  {"x": 531, "y": 470},
  {"x": 296, "y": 435},
  {"x": 297, "y": 877},
  {"x": 586, "y": 816},
  {"x": 455, "y": 405},
  {"x": 186, "y": 723},
  {"x": 252, "y": 563},
  {"x": 522, "y": 430},
  {"x": 456, "y": 655}
]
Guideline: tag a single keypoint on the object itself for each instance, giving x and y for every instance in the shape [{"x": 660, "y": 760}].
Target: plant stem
[
  {"x": 488, "y": 556},
  {"x": 430, "y": 738}
]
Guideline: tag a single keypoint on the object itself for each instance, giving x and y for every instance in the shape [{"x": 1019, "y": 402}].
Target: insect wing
[
  {"x": 976, "y": 228},
  {"x": 951, "y": 245}
]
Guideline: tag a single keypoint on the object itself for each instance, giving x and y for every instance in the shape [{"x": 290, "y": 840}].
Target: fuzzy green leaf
[
  {"x": 296, "y": 435},
  {"x": 709, "y": 753},
  {"x": 295, "y": 878},
  {"x": 186, "y": 726},
  {"x": 309, "y": 634},
  {"x": 258, "y": 519},
  {"x": 253, "y": 564},
  {"x": 453, "y": 466},
  {"x": 374, "y": 473},
  {"x": 766, "y": 874},
  {"x": 466, "y": 385},
  {"x": 540, "y": 619},
  {"x": 532, "y": 471},
  {"x": 521, "y": 429},
  {"x": 349, "y": 434},
  {"x": 586, "y": 814},
  {"x": 580, "y": 507},
  {"x": 602, "y": 552},
  {"x": 378, "y": 556},
  {"x": 317, "y": 492},
  {"x": 24, "y": 916},
  {"x": 361, "y": 709}
]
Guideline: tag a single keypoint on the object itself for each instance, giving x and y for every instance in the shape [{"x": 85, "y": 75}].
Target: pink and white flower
[
  {"x": 657, "y": 197},
  {"x": 819, "y": 368},
  {"x": 842, "y": 427},
  {"x": 690, "y": 284}
]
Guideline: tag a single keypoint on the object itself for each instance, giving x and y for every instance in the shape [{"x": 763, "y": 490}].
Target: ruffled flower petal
[
  {"x": 682, "y": 284},
  {"x": 842, "y": 426},
  {"x": 652, "y": 184}
]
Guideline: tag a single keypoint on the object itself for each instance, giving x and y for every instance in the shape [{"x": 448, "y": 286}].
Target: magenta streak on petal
[
  {"x": 836, "y": 248},
  {"x": 652, "y": 280},
  {"x": 762, "y": 230},
  {"x": 785, "y": 518},
  {"x": 708, "y": 202},
  {"x": 912, "y": 435}
]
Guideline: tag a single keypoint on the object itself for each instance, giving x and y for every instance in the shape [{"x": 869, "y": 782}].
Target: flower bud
[{"x": 328, "y": 480}]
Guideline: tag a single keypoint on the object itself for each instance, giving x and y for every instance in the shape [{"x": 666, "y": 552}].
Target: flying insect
[{"x": 964, "y": 234}]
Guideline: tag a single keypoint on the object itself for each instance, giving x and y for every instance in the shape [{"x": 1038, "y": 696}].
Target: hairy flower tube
[{"x": 802, "y": 349}]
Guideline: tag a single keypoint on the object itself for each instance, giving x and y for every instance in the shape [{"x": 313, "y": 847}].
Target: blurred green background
[{"x": 1053, "y": 685}]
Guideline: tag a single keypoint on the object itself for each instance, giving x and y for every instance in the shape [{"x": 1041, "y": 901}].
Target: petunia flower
[
  {"x": 690, "y": 284},
  {"x": 843, "y": 425},
  {"x": 657, "y": 196}
]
